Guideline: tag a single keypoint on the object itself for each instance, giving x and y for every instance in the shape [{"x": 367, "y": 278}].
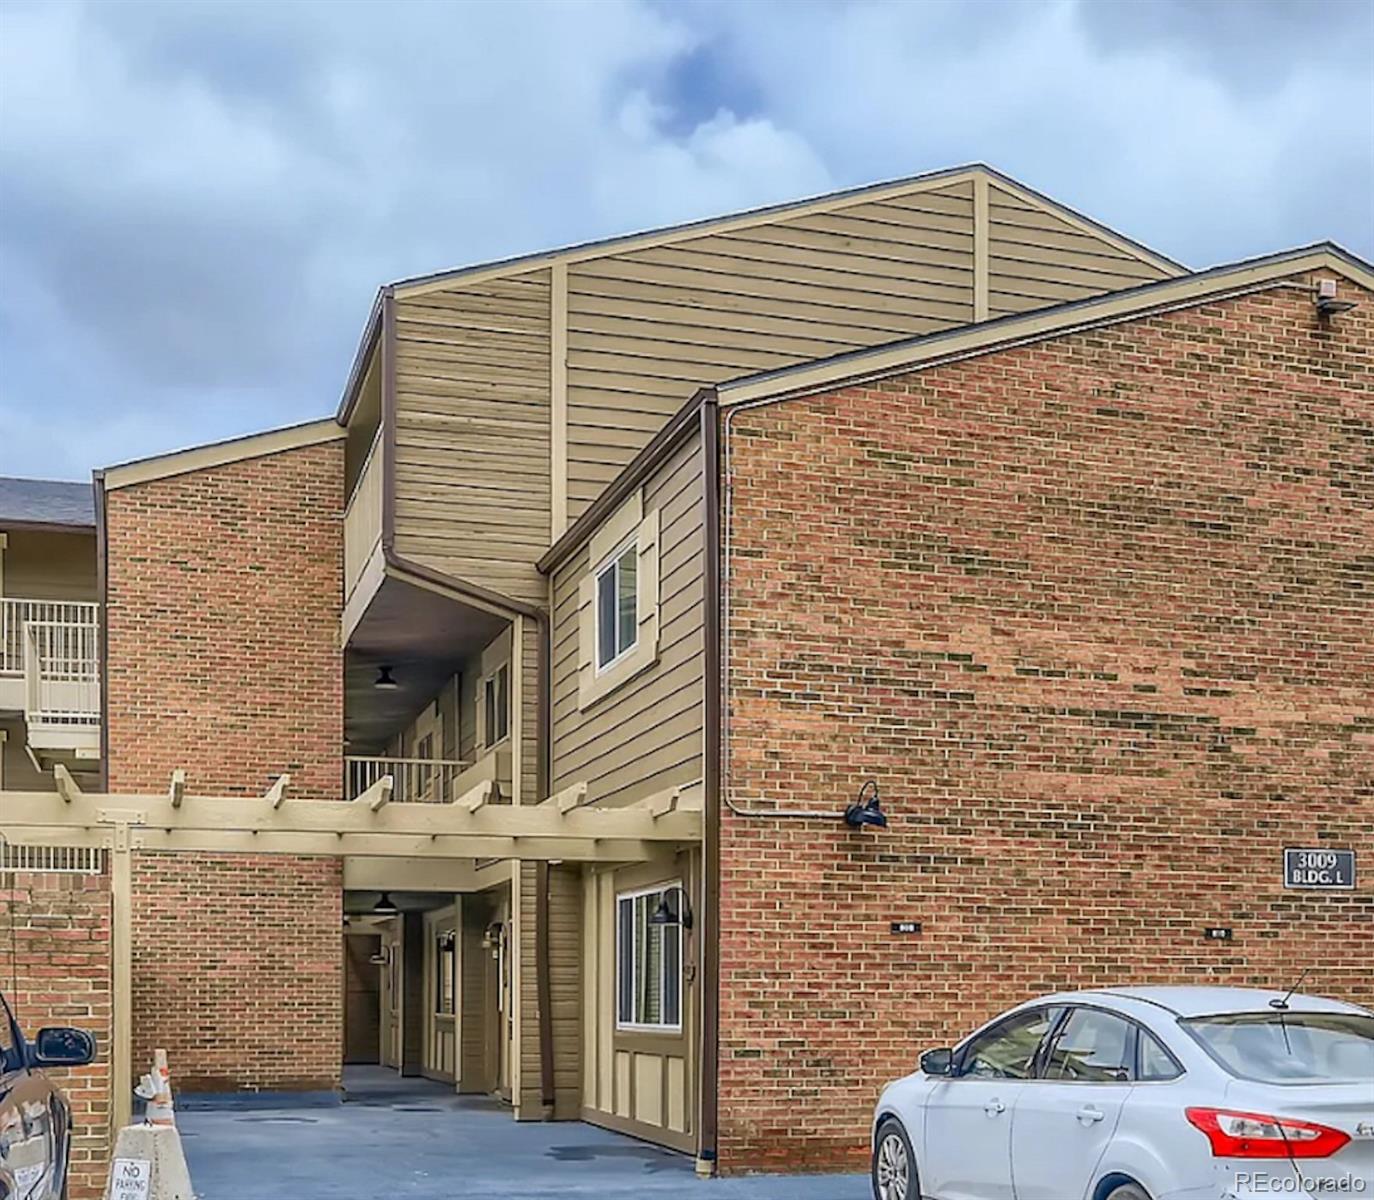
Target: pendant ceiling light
[
  {"x": 384, "y": 907},
  {"x": 384, "y": 682}
]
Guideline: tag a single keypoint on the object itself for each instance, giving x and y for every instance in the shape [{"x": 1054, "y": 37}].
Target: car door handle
[
  {"x": 1090, "y": 1116},
  {"x": 994, "y": 1108}
]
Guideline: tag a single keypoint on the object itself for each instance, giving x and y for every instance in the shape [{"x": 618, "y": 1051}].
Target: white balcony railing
[
  {"x": 61, "y": 673},
  {"x": 15, "y": 613},
  {"x": 363, "y": 517},
  {"x": 416, "y": 780}
]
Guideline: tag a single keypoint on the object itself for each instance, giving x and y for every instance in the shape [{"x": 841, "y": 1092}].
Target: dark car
[{"x": 35, "y": 1120}]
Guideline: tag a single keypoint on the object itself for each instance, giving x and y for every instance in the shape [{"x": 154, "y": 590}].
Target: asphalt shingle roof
[{"x": 46, "y": 502}]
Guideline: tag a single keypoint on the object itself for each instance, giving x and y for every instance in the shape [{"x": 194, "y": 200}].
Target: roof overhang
[
  {"x": 966, "y": 341},
  {"x": 218, "y": 454}
]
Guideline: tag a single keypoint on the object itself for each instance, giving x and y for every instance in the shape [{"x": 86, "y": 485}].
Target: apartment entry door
[
  {"x": 392, "y": 994},
  {"x": 362, "y": 999}
]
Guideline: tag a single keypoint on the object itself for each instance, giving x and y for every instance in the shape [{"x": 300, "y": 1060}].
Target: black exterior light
[
  {"x": 866, "y": 812},
  {"x": 384, "y": 907},
  {"x": 664, "y": 914},
  {"x": 384, "y": 682},
  {"x": 1328, "y": 303}
]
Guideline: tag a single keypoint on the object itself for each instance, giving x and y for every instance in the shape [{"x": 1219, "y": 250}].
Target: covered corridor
[{"x": 415, "y": 1138}]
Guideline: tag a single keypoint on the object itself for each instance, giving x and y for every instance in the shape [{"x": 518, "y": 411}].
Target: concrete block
[{"x": 148, "y": 1164}]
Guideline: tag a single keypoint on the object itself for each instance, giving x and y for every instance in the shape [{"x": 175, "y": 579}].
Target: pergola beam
[
  {"x": 176, "y": 792},
  {"x": 238, "y": 814},
  {"x": 377, "y": 796},
  {"x": 569, "y": 798},
  {"x": 474, "y": 798},
  {"x": 66, "y": 785},
  {"x": 387, "y": 845},
  {"x": 277, "y": 792}
]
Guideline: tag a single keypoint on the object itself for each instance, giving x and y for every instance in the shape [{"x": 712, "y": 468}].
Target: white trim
[
  {"x": 635, "y": 1026},
  {"x": 612, "y": 563}
]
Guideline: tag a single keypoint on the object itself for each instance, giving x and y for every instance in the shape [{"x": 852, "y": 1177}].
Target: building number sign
[{"x": 1319, "y": 868}]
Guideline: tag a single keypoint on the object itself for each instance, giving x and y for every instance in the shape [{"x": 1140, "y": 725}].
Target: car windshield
[{"x": 1290, "y": 1047}]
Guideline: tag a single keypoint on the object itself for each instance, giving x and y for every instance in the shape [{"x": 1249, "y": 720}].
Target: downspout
[
  {"x": 102, "y": 587},
  {"x": 708, "y": 906}
]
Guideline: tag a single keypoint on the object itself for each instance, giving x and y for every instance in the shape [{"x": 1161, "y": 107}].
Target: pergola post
[{"x": 122, "y": 952}]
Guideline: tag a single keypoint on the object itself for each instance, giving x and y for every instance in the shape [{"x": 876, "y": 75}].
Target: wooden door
[{"x": 362, "y": 999}]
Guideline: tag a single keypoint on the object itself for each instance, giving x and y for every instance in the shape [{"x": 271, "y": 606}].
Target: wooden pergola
[{"x": 470, "y": 826}]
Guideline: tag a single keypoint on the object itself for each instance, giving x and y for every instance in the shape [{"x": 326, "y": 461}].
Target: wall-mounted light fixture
[
  {"x": 1328, "y": 303},
  {"x": 866, "y": 812},
  {"x": 384, "y": 682},
  {"x": 664, "y": 914}
]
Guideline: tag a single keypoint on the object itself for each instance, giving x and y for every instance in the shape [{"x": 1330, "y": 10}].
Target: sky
[{"x": 198, "y": 200}]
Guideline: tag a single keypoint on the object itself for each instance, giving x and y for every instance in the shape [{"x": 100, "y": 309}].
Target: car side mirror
[
  {"x": 938, "y": 1062},
  {"x": 61, "y": 1046}
]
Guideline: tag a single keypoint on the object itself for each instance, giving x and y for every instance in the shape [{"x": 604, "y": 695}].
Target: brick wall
[
  {"x": 223, "y": 602},
  {"x": 55, "y": 969},
  {"x": 1096, "y": 614}
]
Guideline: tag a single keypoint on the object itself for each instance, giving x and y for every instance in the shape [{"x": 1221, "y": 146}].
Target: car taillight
[{"x": 1255, "y": 1135}]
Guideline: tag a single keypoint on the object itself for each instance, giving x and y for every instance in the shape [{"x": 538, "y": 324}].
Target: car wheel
[
  {"x": 1128, "y": 1191},
  {"x": 894, "y": 1165}
]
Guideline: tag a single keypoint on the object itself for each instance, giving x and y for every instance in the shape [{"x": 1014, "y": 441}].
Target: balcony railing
[
  {"x": 61, "y": 673},
  {"x": 363, "y": 517},
  {"x": 416, "y": 780},
  {"x": 15, "y": 613},
  {"x": 50, "y": 668}
]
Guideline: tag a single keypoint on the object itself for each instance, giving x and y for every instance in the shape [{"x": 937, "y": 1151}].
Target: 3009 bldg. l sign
[{"x": 1318, "y": 868}]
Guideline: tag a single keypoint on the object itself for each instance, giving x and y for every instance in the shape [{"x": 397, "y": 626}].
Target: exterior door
[
  {"x": 1063, "y": 1122},
  {"x": 392, "y": 996},
  {"x": 362, "y": 999},
  {"x": 969, "y": 1115}
]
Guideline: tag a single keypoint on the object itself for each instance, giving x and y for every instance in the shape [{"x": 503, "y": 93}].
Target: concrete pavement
[{"x": 415, "y": 1140}]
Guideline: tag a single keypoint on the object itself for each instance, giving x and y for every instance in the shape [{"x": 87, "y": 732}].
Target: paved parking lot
[{"x": 415, "y": 1140}]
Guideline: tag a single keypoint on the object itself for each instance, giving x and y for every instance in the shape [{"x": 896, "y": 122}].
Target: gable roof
[
  {"x": 46, "y": 502},
  {"x": 894, "y": 358},
  {"x": 728, "y": 222},
  {"x": 790, "y": 208},
  {"x": 218, "y": 454}
]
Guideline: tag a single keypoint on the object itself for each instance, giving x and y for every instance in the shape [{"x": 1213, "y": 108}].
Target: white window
[
  {"x": 617, "y": 606},
  {"x": 496, "y": 706},
  {"x": 648, "y": 963}
]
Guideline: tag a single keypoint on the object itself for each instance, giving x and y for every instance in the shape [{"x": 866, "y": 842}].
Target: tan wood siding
[
  {"x": 565, "y": 986},
  {"x": 646, "y": 734},
  {"x": 1037, "y": 259},
  {"x": 646, "y": 328},
  {"x": 472, "y": 431},
  {"x": 529, "y": 1100}
]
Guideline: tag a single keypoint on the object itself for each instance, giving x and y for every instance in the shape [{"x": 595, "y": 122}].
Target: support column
[
  {"x": 122, "y": 952},
  {"x": 412, "y": 993}
]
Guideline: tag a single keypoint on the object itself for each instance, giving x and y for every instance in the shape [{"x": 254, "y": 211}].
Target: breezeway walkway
[{"x": 410, "y": 1139}]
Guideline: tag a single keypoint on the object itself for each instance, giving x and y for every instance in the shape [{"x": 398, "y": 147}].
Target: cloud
[{"x": 197, "y": 202}]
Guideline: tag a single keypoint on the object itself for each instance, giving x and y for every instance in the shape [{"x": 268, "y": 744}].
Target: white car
[{"x": 1149, "y": 1093}]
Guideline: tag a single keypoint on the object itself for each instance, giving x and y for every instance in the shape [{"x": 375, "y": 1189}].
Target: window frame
[
  {"x": 639, "y": 1027},
  {"x": 445, "y": 947},
  {"x": 1056, "y": 1012},
  {"x": 1142, "y": 1034},
  {"x": 611, "y": 563},
  {"x": 1132, "y": 1054},
  {"x": 500, "y": 714}
]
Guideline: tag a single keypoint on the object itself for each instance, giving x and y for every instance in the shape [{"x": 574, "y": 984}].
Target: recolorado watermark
[{"x": 1265, "y": 1183}]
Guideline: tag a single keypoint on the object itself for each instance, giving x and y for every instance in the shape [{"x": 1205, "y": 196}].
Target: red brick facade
[
  {"x": 223, "y": 603},
  {"x": 55, "y": 969},
  {"x": 1096, "y": 613}
]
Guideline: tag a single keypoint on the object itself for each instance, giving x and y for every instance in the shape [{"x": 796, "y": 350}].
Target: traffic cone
[{"x": 148, "y": 1162}]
